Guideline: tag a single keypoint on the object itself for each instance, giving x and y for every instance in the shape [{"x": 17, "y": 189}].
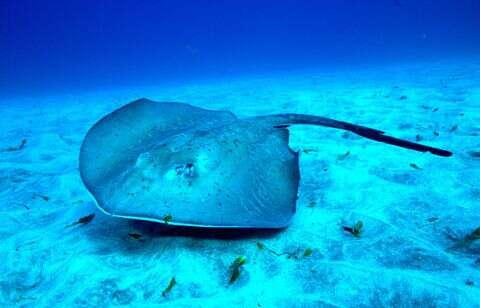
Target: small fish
[
  {"x": 403, "y": 97},
  {"x": 170, "y": 286},
  {"x": 307, "y": 151},
  {"x": 82, "y": 221}
]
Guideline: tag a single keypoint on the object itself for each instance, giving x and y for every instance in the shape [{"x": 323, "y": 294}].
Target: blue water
[
  {"x": 410, "y": 68},
  {"x": 52, "y": 46}
]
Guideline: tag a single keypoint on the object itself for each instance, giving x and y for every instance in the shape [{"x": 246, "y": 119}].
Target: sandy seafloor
[{"x": 412, "y": 250}]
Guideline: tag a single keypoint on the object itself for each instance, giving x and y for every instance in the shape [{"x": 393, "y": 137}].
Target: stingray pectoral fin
[{"x": 370, "y": 133}]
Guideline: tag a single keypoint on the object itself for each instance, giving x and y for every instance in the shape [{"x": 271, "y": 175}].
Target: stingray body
[{"x": 183, "y": 165}]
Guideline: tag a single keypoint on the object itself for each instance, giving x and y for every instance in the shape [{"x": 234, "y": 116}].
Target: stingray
[{"x": 178, "y": 164}]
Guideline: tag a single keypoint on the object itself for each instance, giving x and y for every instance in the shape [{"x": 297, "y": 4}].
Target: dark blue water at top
[{"x": 50, "y": 46}]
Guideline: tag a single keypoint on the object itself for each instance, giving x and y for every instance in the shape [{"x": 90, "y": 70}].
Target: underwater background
[{"x": 411, "y": 68}]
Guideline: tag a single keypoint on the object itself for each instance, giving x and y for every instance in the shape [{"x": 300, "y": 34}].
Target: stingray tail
[{"x": 283, "y": 120}]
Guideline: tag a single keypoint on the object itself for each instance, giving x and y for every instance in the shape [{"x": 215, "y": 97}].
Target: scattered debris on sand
[
  {"x": 356, "y": 230},
  {"x": 236, "y": 267},
  {"x": 415, "y": 166},
  {"x": 170, "y": 286},
  {"x": 82, "y": 221},
  {"x": 343, "y": 156},
  {"x": 15, "y": 148}
]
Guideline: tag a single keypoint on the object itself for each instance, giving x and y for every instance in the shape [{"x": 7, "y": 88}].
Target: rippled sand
[{"x": 418, "y": 210}]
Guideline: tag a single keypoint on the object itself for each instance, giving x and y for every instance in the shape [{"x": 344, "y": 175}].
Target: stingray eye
[{"x": 186, "y": 170}]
